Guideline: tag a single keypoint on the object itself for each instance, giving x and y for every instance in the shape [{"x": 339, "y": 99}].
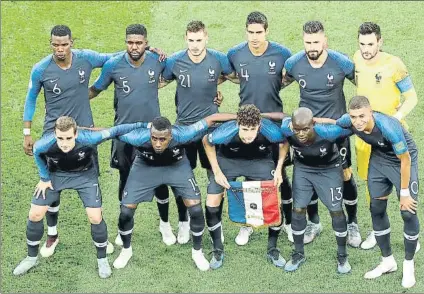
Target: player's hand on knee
[
  {"x": 218, "y": 98},
  {"x": 41, "y": 188},
  {"x": 408, "y": 203},
  {"x": 28, "y": 144},
  {"x": 347, "y": 174},
  {"x": 278, "y": 179},
  {"x": 221, "y": 180}
]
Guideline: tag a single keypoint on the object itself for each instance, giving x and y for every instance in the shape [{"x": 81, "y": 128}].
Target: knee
[
  {"x": 347, "y": 174},
  {"x": 191, "y": 202},
  {"x": 195, "y": 210},
  {"x": 214, "y": 200},
  {"x": 127, "y": 213},
  {"x": 95, "y": 218},
  {"x": 407, "y": 216},
  {"x": 378, "y": 207},
  {"x": 299, "y": 211},
  {"x": 37, "y": 213},
  {"x": 338, "y": 213}
]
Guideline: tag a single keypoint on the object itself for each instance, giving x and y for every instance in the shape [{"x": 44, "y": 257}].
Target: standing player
[
  {"x": 162, "y": 161},
  {"x": 317, "y": 170},
  {"x": 64, "y": 76},
  {"x": 198, "y": 71},
  {"x": 244, "y": 150},
  {"x": 65, "y": 160},
  {"x": 393, "y": 162},
  {"x": 136, "y": 76},
  {"x": 383, "y": 79},
  {"x": 321, "y": 74},
  {"x": 258, "y": 66}
]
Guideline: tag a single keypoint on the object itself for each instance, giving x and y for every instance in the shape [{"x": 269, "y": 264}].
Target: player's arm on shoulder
[
  {"x": 277, "y": 116},
  {"x": 97, "y": 59},
  {"x": 104, "y": 80},
  {"x": 136, "y": 137},
  {"x": 344, "y": 121},
  {"x": 271, "y": 131},
  {"x": 404, "y": 83},
  {"x": 219, "y": 117},
  {"x": 93, "y": 137},
  {"x": 332, "y": 132}
]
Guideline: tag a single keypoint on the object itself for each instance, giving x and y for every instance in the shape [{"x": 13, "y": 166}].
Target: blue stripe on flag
[{"x": 235, "y": 197}]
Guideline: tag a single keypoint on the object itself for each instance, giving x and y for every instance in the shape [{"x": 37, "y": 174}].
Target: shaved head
[
  {"x": 302, "y": 116},
  {"x": 303, "y": 124}
]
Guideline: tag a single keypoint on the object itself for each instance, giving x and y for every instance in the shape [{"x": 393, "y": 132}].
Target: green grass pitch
[{"x": 154, "y": 267}]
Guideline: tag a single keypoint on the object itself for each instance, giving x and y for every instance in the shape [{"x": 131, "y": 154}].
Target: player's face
[
  {"x": 66, "y": 140},
  {"x": 314, "y": 44},
  {"x": 196, "y": 42},
  {"x": 304, "y": 132},
  {"x": 361, "y": 118},
  {"x": 136, "y": 45},
  {"x": 248, "y": 134},
  {"x": 369, "y": 46},
  {"x": 61, "y": 47},
  {"x": 256, "y": 35},
  {"x": 160, "y": 140}
]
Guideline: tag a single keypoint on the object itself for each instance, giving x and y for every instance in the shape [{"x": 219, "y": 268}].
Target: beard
[
  {"x": 314, "y": 55},
  {"x": 135, "y": 56}
]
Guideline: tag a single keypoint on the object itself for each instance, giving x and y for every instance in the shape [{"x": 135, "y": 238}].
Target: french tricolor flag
[{"x": 255, "y": 203}]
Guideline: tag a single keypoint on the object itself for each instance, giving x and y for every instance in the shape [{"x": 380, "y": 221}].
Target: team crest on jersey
[
  {"x": 378, "y": 78},
  {"x": 176, "y": 151},
  {"x": 151, "y": 74},
  {"x": 81, "y": 73},
  {"x": 323, "y": 151},
  {"x": 330, "y": 79},
  {"x": 211, "y": 75},
  {"x": 81, "y": 155},
  {"x": 271, "y": 70}
]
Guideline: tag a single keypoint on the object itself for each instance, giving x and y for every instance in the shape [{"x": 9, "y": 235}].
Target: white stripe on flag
[{"x": 253, "y": 203}]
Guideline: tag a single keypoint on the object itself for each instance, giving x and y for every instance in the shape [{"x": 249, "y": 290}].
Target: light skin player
[
  {"x": 384, "y": 79},
  {"x": 321, "y": 73},
  {"x": 65, "y": 160},
  {"x": 258, "y": 66}
]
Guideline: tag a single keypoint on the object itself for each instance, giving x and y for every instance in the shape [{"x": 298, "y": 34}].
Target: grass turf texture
[{"x": 155, "y": 267}]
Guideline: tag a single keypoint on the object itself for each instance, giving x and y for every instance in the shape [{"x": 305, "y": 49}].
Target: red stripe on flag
[{"x": 270, "y": 203}]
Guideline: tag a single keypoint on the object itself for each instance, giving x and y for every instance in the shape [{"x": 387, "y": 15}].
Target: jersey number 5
[{"x": 125, "y": 87}]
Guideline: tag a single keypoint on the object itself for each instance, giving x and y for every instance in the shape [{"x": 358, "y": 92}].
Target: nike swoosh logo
[
  {"x": 122, "y": 78},
  {"x": 183, "y": 70},
  {"x": 243, "y": 64},
  {"x": 52, "y": 81},
  {"x": 301, "y": 76}
]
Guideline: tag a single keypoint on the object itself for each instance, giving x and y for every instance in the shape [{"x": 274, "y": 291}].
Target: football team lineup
[{"x": 257, "y": 142}]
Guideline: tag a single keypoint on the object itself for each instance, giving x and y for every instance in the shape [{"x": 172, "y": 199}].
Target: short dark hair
[
  {"x": 161, "y": 123},
  {"x": 136, "y": 29},
  {"x": 257, "y": 17},
  {"x": 248, "y": 115},
  {"x": 61, "y": 31},
  {"x": 65, "y": 123},
  {"x": 195, "y": 26},
  {"x": 313, "y": 27},
  {"x": 368, "y": 28},
  {"x": 359, "y": 102}
]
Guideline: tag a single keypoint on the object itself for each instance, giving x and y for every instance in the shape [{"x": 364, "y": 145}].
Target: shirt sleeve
[
  {"x": 137, "y": 137},
  {"x": 344, "y": 62},
  {"x": 271, "y": 131},
  {"x": 393, "y": 132},
  {"x": 332, "y": 132},
  {"x": 401, "y": 76},
  {"x": 105, "y": 78},
  {"x": 34, "y": 88},
  {"x": 223, "y": 134},
  {"x": 285, "y": 129},
  {"x": 223, "y": 61},
  {"x": 186, "y": 134},
  {"x": 96, "y": 137},
  {"x": 40, "y": 148},
  {"x": 97, "y": 59},
  {"x": 344, "y": 121},
  {"x": 167, "y": 73}
]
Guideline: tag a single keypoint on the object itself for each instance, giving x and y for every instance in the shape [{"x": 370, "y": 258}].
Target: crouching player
[
  {"x": 161, "y": 160},
  {"x": 244, "y": 150},
  {"x": 317, "y": 169},
  {"x": 65, "y": 161},
  {"x": 393, "y": 162}
]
